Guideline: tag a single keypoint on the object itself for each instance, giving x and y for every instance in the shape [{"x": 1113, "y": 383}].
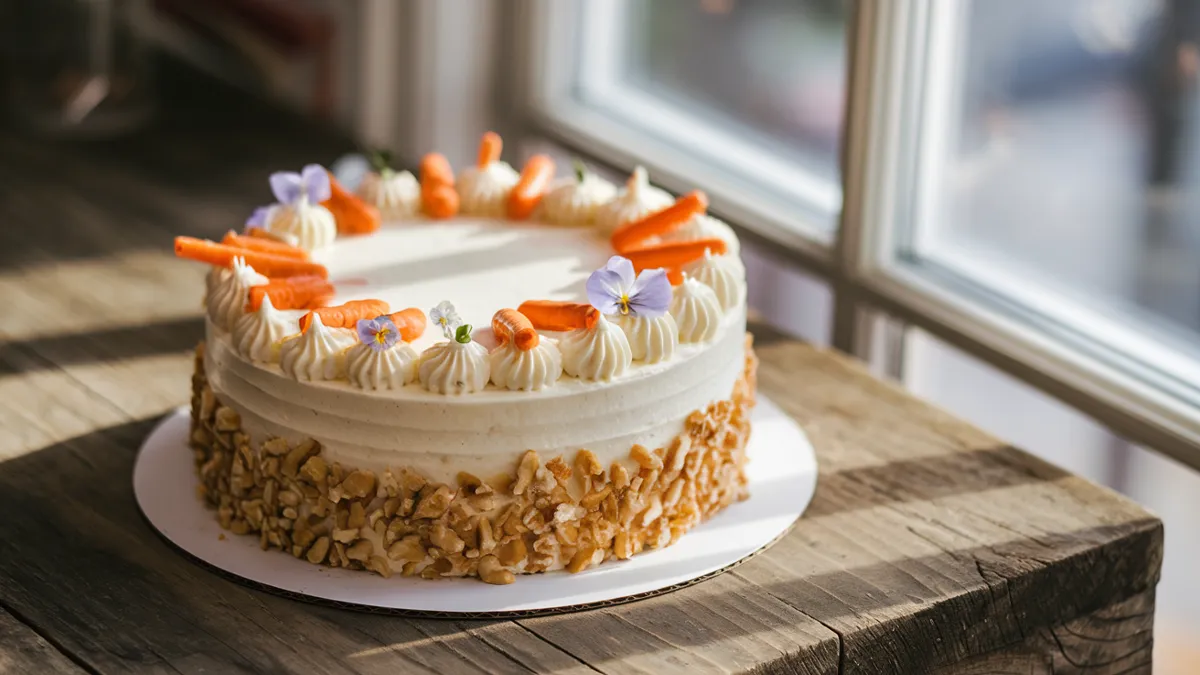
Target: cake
[{"x": 486, "y": 375}]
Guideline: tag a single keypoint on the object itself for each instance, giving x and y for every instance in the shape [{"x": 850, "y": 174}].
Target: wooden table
[{"x": 930, "y": 546}]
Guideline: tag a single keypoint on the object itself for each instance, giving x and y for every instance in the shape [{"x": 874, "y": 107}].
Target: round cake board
[{"x": 782, "y": 473}]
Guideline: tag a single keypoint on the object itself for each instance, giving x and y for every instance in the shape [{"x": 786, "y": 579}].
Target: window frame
[{"x": 889, "y": 48}]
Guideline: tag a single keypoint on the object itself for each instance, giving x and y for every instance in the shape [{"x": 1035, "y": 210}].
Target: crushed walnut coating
[{"x": 569, "y": 513}]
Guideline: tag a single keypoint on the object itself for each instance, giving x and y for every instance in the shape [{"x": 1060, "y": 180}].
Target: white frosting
[
  {"x": 312, "y": 225},
  {"x": 228, "y": 292},
  {"x": 724, "y": 274},
  {"x": 257, "y": 335},
  {"x": 397, "y": 195},
  {"x": 316, "y": 354},
  {"x": 635, "y": 200},
  {"x": 574, "y": 202},
  {"x": 481, "y": 265},
  {"x": 651, "y": 340},
  {"x": 484, "y": 192},
  {"x": 601, "y": 352},
  {"x": 390, "y": 368},
  {"x": 455, "y": 368},
  {"x": 696, "y": 310},
  {"x": 526, "y": 370},
  {"x": 704, "y": 226}
]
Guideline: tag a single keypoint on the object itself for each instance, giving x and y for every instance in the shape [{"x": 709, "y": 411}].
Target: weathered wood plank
[{"x": 24, "y": 651}]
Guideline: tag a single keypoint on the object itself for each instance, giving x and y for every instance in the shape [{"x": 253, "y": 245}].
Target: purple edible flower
[
  {"x": 258, "y": 218},
  {"x": 379, "y": 333},
  {"x": 290, "y": 187},
  {"x": 613, "y": 289}
]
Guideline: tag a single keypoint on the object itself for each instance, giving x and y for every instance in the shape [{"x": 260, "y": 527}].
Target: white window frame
[{"x": 888, "y": 42}]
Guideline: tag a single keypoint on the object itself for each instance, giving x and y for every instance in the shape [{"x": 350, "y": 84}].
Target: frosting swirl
[
  {"x": 454, "y": 367},
  {"x": 521, "y": 370},
  {"x": 391, "y": 368},
  {"x": 312, "y": 225},
  {"x": 724, "y": 274},
  {"x": 651, "y": 339},
  {"x": 697, "y": 311},
  {"x": 601, "y": 352},
  {"x": 257, "y": 335},
  {"x": 226, "y": 301},
  {"x": 484, "y": 192},
  {"x": 575, "y": 202},
  {"x": 316, "y": 354},
  {"x": 633, "y": 201},
  {"x": 704, "y": 226},
  {"x": 397, "y": 195}
]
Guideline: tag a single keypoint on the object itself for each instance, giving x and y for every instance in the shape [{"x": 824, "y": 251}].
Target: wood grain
[{"x": 929, "y": 547}]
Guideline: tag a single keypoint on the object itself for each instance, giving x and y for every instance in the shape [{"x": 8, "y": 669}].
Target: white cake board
[{"x": 782, "y": 473}]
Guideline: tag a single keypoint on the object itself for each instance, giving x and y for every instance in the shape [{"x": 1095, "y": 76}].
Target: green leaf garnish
[
  {"x": 580, "y": 169},
  {"x": 462, "y": 334},
  {"x": 381, "y": 160}
]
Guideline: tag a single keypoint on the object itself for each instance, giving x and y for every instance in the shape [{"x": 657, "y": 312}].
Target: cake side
[{"x": 566, "y": 511}]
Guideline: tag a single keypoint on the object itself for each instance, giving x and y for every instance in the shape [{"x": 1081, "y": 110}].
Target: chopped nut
[
  {"x": 525, "y": 472},
  {"x": 358, "y": 484},
  {"x": 345, "y": 536},
  {"x": 673, "y": 492},
  {"x": 317, "y": 553},
  {"x": 360, "y": 551},
  {"x": 569, "y": 512},
  {"x": 512, "y": 551},
  {"x": 275, "y": 446},
  {"x": 652, "y": 512},
  {"x": 380, "y": 566},
  {"x": 227, "y": 419},
  {"x": 645, "y": 458},
  {"x": 582, "y": 559},
  {"x": 433, "y": 503},
  {"x": 623, "y": 546},
  {"x": 304, "y": 537},
  {"x": 468, "y": 481},
  {"x": 559, "y": 469},
  {"x": 295, "y": 458},
  {"x": 567, "y": 533},
  {"x": 315, "y": 470},
  {"x": 391, "y": 506},
  {"x": 445, "y": 538},
  {"x": 587, "y": 464},
  {"x": 358, "y": 516},
  {"x": 289, "y": 498},
  {"x": 408, "y": 548},
  {"x": 487, "y": 541},
  {"x": 592, "y": 500},
  {"x": 490, "y": 571},
  {"x": 619, "y": 476}
]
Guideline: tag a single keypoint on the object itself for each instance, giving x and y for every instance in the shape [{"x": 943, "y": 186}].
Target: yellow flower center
[
  {"x": 624, "y": 303},
  {"x": 381, "y": 336}
]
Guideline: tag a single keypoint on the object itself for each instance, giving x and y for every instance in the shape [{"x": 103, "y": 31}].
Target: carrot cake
[{"x": 487, "y": 374}]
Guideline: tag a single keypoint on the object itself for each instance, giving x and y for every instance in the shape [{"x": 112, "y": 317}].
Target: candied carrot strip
[
  {"x": 346, "y": 315},
  {"x": 675, "y": 276},
  {"x": 489, "y": 149},
  {"x": 263, "y": 245},
  {"x": 509, "y": 324},
  {"x": 306, "y": 292},
  {"x": 628, "y": 237},
  {"x": 675, "y": 254},
  {"x": 438, "y": 197},
  {"x": 350, "y": 212},
  {"x": 410, "y": 323},
  {"x": 531, "y": 186},
  {"x": 267, "y": 264},
  {"x": 559, "y": 316}
]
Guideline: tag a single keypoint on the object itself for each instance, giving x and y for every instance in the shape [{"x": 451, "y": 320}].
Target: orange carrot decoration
[
  {"x": 489, "y": 149},
  {"x": 308, "y": 292},
  {"x": 346, "y": 315},
  {"x": 267, "y": 264},
  {"x": 675, "y": 254},
  {"x": 555, "y": 315},
  {"x": 350, "y": 212},
  {"x": 533, "y": 183},
  {"x": 410, "y": 323},
  {"x": 675, "y": 276},
  {"x": 263, "y": 245},
  {"x": 631, "y": 235},
  {"x": 509, "y": 324},
  {"x": 438, "y": 196}
]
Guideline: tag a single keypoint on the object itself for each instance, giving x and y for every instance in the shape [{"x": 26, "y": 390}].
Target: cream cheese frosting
[
  {"x": 526, "y": 370},
  {"x": 257, "y": 335},
  {"x": 651, "y": 339},
  {"x": 601, "y": 352},
  {"x": 637, "y": 199},
  {"x": 378, "y": 369},
  {"x": 454, "y": 367},
  {"x": 724, "y": 274},
  {"x": 318, "y": 353},
  {"x": 704, "y": 226},
  {"x": 576, "y": 201},
  {"x": 227, "y": 293},
  {"x": 312, "y": 225},
  {"x": 697, "y": 311},
  {"x": 396, "y": 194},
  {"x": 484, "y": 191}
]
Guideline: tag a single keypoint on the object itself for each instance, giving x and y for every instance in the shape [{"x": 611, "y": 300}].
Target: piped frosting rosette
[
  {"x": 381, "y": 359},
  {"x": 638, "y": 305},
  {"x": 483, "y": 189},
  {"x": 636, "y": 200},
  {"x": 575, "y": 201},
  {"x": 396, "y": 194},
  {"x": 228, "y": 290},
  {"x": 298, "y": 213},
  {"x": 457, "y": 366}
]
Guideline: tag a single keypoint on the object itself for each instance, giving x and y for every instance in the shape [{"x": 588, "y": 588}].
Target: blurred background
[{"x": 1048, "y": 154}]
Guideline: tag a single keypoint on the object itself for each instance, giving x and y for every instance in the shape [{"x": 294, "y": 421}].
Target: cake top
[{"x": 494, "y": 279}]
